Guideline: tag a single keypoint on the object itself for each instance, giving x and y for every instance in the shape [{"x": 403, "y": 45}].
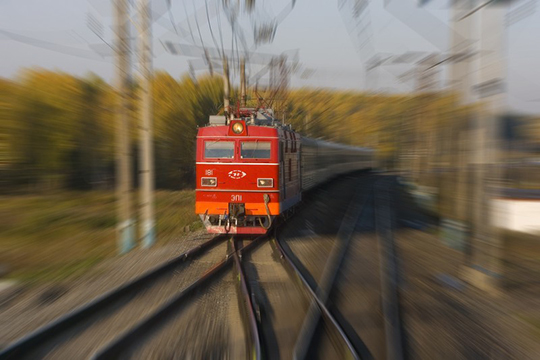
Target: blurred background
[{"x": 446, "y": 92}]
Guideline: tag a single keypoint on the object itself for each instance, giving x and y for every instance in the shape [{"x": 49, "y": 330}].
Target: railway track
[
  {"x": 252, "y": 312},
  {"x": 280, "y": 308},
  {"x": 269, "y": 290},
  {"x": 320, "y": 319},
  {"x": 61, "y": 336},
  {"x": 370, "y": 217},
  {"x": 390, "y": 271},
  {"x": 132, "y": 342}
]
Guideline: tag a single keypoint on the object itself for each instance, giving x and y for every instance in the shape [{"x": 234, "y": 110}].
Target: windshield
[
  {"x": 219, "y": 149},
  {"x": 255, "y": 150}
]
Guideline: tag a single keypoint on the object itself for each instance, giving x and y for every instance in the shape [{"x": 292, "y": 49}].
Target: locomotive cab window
[
  {"x": 255, "y": 149},
  {"x": 219, "y": 149}
]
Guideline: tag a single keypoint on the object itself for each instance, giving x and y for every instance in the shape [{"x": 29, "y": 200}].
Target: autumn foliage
[{"x": 58, "y": 131}]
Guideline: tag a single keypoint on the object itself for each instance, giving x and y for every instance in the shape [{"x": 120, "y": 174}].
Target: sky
[{"x": 62, "y": 40}]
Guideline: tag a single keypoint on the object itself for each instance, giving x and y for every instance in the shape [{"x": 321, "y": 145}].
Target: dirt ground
[{"x": 447, "y": 318}]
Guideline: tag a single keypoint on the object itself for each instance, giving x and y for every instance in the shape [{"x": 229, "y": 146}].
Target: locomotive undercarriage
[{"x": 236, "y": 224}]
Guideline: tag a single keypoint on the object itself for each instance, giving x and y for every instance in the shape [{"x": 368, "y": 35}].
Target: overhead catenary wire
[
  {"x": 189, "y": 24},
  {"x": 241, "y": 51},
  {"x": 210, "y": 27},
  {"x": 91, "y": 20},
  {"x": 68, "y": 50},
  {"x": 232, "y": 47},
  {"x": 220, "y": 32},
  {"x": 198, "y": 27},
  {"x": 237, "y": 52},
  {"x": 171, "y": 17}
]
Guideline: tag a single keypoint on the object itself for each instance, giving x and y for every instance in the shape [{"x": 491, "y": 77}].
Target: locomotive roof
[
  {"x": 259, "y": 122},
  {"x": 273, "y": 132},
  {"x": 252, "y": 131},
  {"x": 265, "y": 125}
]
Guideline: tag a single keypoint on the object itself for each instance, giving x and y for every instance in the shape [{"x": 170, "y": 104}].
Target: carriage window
[
  {"x": 219, "y": 149},
  {"x": 255, "y": 150}
]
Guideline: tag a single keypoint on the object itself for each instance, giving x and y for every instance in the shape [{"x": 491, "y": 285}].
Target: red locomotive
[{"x": 251, "y": 169}]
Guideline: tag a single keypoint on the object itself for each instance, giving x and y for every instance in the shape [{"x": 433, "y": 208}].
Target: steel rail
[
  {"x": 30, "y": 342},
  {"x": 118, "y": 346},
  {"x": 250, "y": 309},
  {"x": 354, "y": 211},
  {"x": 362, "y": 353},
  {"x": 396, "y": 339}
]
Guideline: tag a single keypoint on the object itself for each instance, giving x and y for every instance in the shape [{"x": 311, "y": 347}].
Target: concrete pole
[
  {"x": 461, "y": 84},
  {"x": 279, "y": 79},
  {"x": 426, "y": 82},
  {"x": 243, "y": 95},
  {"x": 126, "y": 223},
  {"x": 272, "y": 75},
  {"x": 226, "y": 88},
  {"x": 307, "y": 124},
  {"x": 460, "y": 76},
  {"x": 487, "y": 248},
  {"x": 146, "y": 158}
]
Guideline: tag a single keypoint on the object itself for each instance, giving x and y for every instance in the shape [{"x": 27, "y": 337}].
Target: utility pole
[
  {"x": 126, "y": 223},
  {"x": 283, "y": 84},
  {"x": 426, "y": 82},
  {"x": 226, "y": 88},
  {"x": 461, "y": 84},
  {"x": 243, "y": 95},
  {"x": 491, "y": 89},
  {"x": 461, "y": 80},
  {"x": 146, "y": 158},
  {"x": 483, "y": 261}
]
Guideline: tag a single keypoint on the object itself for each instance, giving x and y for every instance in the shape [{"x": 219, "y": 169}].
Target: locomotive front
[{"x": 237, "y": 174}]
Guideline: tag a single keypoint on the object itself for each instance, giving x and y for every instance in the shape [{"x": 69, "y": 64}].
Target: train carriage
[{"x": 251, "y": 169}]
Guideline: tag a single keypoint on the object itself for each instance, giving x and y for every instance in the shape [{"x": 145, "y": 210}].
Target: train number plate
[{"x": 236, "y": 198}]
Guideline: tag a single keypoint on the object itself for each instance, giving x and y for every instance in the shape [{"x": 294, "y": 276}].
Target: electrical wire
[
  {"x": 220, "y": 32},
  {"x": 95, "y": 21},
  {"x": 237, "y": 52},
  {"x": 211, "y": 31},
  {"x": 85, "y": 54},
  {"x": 232, "y": 47},
  {"x": 189, "y": 23},
  {"x": 171, "y": 17},
  {"x": 198, "y": 27}
]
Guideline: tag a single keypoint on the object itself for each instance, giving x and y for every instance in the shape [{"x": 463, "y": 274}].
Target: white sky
[{"x": 314, "y": 27}]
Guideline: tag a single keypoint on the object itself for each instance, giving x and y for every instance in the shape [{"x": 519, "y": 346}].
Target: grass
[
  {"x": 534, "y": 322},
  {"x": 55, "y": 236}
]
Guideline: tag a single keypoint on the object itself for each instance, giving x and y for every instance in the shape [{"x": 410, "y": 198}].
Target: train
[{"x": 251, "y": 169}]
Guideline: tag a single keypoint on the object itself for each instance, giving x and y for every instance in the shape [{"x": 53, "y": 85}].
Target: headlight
[
  {"x": 209, "y": 181},
  {"x": 265, "y": 182},
  {"x": 237, "y": 128}
]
